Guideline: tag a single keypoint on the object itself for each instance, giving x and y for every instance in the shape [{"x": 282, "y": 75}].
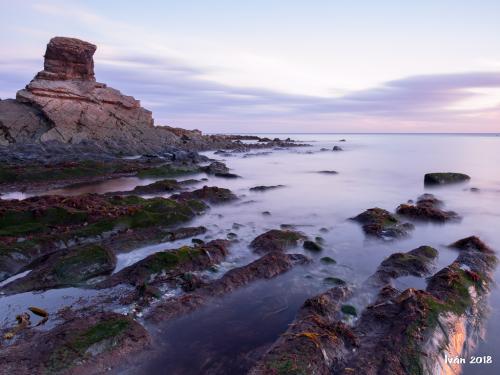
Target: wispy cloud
[{"x": 176, "y": 92}]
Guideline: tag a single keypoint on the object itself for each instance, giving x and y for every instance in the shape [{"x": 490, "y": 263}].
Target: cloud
[{"x": 178, "y": 94}]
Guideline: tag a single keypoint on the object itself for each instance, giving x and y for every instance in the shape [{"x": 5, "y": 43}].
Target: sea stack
[{"x": 64, "y": 103}]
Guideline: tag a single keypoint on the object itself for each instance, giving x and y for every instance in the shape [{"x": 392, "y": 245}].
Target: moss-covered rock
[
  {"x": 441, "y": 178},
  {"x": 212, "y": 194},
  {"x": 328, "y": 260},
  {"x": 417, "y": 262},
  {"x": 84, "y": 345},
  {"x": 170, "y": 264},
  {"x": 276, "y": 240},
  {"x": 381, "y": 223},
  {"x": 349, "y": 310},
  {"x": 65, "y": 268},
  {"x": 168, "y": 170},
  {"x": 36, "y": 226},
  {"x": 427, "y": 208}
]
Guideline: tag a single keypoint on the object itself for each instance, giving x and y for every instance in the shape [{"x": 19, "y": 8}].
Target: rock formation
[{"x": 64, "y": 103}]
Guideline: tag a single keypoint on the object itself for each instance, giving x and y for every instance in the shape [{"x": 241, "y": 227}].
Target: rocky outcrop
[
  {"x": 64, "y": 103},
  {"x": 401, "y": 332}
]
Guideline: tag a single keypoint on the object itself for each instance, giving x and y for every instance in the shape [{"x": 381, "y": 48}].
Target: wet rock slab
[{"x": 266, "y": 267}]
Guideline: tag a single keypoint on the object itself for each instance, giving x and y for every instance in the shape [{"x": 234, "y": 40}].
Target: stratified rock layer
[{"x": 64, "y": 103}]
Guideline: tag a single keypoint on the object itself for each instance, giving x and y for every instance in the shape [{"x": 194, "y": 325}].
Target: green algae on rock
[
  {"x": 381, "y": 223},
  {"x": 170, "y": 264},
  {"x": 36, "y": 226},
  {"x": 276, "y": 240},
  {"x": 64, "y": 269},
  {"x": 89, "y": 344}
]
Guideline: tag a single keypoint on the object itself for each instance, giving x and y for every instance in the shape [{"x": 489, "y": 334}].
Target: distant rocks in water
[
  {"x": 328, "y": 172},
  {"x": 276, "y": 240},
  {"x": 226, "y": 175},
  {"x": 252, "y": 154},
  {"x": 474, "y": 190},
  {"x": 266, "y": 213},
  {"x": 337, "y": 148},
  {"x": 158, "y": 187},
  {"x": 427, "y": 208},
  {"x": 262, "y": 188},
  {"x": 342, "y": 140},
  {"x": 443, "y": 178},
  {"x": 382, "y": 224},
  {"x": 212, "y": 194}
]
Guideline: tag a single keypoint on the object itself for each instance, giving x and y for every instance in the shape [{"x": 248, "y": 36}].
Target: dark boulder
[{"x": 443, "y": 178}]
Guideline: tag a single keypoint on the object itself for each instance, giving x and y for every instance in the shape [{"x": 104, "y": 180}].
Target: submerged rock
[
  {"x": 328, "y": 172},
  {"x": 427, "y": 208},
  {"x": 276, "y": 240},
  {"x": 337, "y": 148},
  {"x": 91, "y": 344},
  {"x": 380, "y": 223},
  {"x": 443, "y": 178},
  {"x": 64, "y": 269},
  {"x": 211, "y": 194},
  {"x": 312, "y": 246}
]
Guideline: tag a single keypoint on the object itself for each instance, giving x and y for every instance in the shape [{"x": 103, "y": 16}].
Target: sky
[{"x": 278, "y": 66}]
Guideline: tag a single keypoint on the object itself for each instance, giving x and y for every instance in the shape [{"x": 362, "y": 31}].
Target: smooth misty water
[{"x": 374, "y": 171}]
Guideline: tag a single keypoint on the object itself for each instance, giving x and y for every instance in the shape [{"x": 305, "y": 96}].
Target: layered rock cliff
[{"x": 64, "y": 103}]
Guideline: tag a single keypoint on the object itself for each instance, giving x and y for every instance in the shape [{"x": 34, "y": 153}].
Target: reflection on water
[{"x": 374, "y": 171}]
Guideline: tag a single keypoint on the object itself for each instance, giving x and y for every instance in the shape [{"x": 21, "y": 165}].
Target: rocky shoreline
[{"x": 65, "y": 134}]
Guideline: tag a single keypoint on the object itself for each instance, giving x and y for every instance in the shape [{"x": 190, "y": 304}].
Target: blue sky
[{"x": 322, "y": 66}]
